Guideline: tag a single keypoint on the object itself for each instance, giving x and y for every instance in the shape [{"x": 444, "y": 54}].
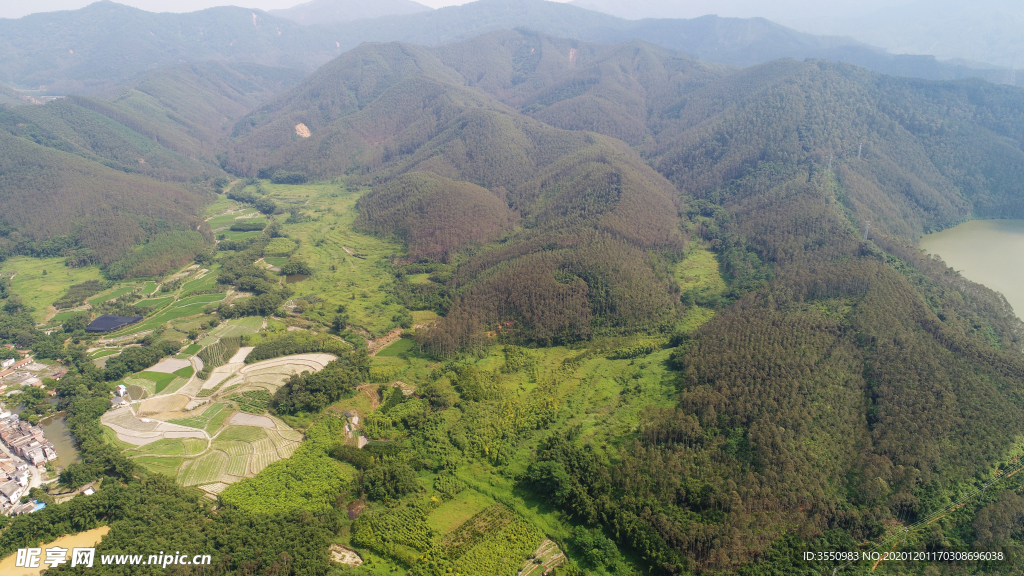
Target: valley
[{"x": 521, "y": 304}]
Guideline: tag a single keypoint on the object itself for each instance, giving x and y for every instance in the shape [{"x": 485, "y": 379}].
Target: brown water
[
  {"x": 989, "y": 252},
  {"x": 293, "y": 278},
  {"x": 81, "y": 540},
  {"x": 57, "y": 432}
]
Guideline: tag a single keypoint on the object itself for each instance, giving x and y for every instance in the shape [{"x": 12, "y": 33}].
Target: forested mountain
[
  {"x": 76, "y": 51},
  {"x": 104, "y": 45},
  {"x": 849, "y": 378},
  {"x": 332, "y": 11},
  {"x": 56, "y": 203},
  {"x": 88, "y": 178}
]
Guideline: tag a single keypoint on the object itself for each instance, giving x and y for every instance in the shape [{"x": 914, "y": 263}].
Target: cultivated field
[{"x": 206, "y": 441}]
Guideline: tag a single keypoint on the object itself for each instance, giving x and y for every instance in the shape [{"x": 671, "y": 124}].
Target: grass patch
[
  {"x": 159, "y": 378},
  {"x": 400, "y": 346},
  {"x": 276, "y": 260},
  {"x": 700, "y": 272},
  {"x": 694, "y": 318},
  {"x": 458, "y": 510},
  {"x": 185, "y": 372},
  {"x": 104, "y": 353},
  {"x": 189, "y": 351},
  {"x": 149, "y": 288},
  {"x": 40, "y": 290},
  {"x": 424, "y": 317}
]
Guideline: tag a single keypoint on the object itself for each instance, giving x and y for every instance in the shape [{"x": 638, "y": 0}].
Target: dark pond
[{"x": 293, "y": 278}]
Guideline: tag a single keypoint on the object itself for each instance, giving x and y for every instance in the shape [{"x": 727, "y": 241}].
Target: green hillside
[
  {"x": 56, "y": 203},
  {"x": 85, "y": 177}
]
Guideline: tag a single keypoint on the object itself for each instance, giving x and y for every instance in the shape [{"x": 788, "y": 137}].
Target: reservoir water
[
  {"x": 989, "y": 252},
  {"x": 57, "y": 432}
]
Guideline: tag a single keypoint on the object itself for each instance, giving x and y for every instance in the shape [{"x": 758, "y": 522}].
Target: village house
[
  {"x": 26, "y": 440},
  {"x": 11, "y": 491}
]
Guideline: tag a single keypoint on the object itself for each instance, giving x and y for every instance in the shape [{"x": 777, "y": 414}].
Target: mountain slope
[
  {"x": 85, "y": 177},
  {"x": 59, "y": 204},
  {"x": 843, "y": 383},
  {"x": 396, "y": 116},
  {"x": 332, "y": 11}
]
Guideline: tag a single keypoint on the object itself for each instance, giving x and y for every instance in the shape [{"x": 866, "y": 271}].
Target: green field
[
  {"x": 189, "y": 351},
  {"x": 112, "y": 295},
  {"x": 325, "y": 242},
  {"x": 185, "y": 307},
  {"x": 203, "y": 470},
  {"x": 104, "y": 353},
  {"x": 62, "y": 316},
  {"x": 232, "y": 235},
  {"x": 155, "y": 303},
  {"x": 242, "y": 433},
  {"x": 161, "y": 379},
  {"x": 226, "y": 220},
  {"x": 400, "y": 346},
  {"x": 453, "y": 513},
  {"x": 203, "y": 419},
  {"x": 217, "y": 421},
  {"x": 238, "y": 327},
  {"x": 40, "y": 290},
  {"x": 276, "y": 260},
  {"x": 167, "y": 466},
  {"x": 207, "y": 282},
  {"x": 149, "y": 288}
]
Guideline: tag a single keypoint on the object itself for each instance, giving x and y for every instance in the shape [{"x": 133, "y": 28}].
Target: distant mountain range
[
  {"x": 986, "y": 31},
  {"x": 106, "y": 44}
]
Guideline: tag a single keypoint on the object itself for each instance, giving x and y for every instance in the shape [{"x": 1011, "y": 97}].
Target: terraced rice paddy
[
  {"x": 204, "y": 469},
  {"x": 202, "y": 419},
  {"x": 180, "y": 309},
  {"x": 214, "y": 444}
]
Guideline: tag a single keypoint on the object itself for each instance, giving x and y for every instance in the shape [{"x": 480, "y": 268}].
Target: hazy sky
[{"x": 19, "y": 8}]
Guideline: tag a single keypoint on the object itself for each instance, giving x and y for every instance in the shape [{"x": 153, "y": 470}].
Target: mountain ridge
[{"x": 69, "y": 51}]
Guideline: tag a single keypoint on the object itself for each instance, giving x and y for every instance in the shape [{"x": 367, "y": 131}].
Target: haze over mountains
[
  {"x": 332, "y": 11},
  {"x": 985, "y": 31},
  {"x": 72, "y": 52}
]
